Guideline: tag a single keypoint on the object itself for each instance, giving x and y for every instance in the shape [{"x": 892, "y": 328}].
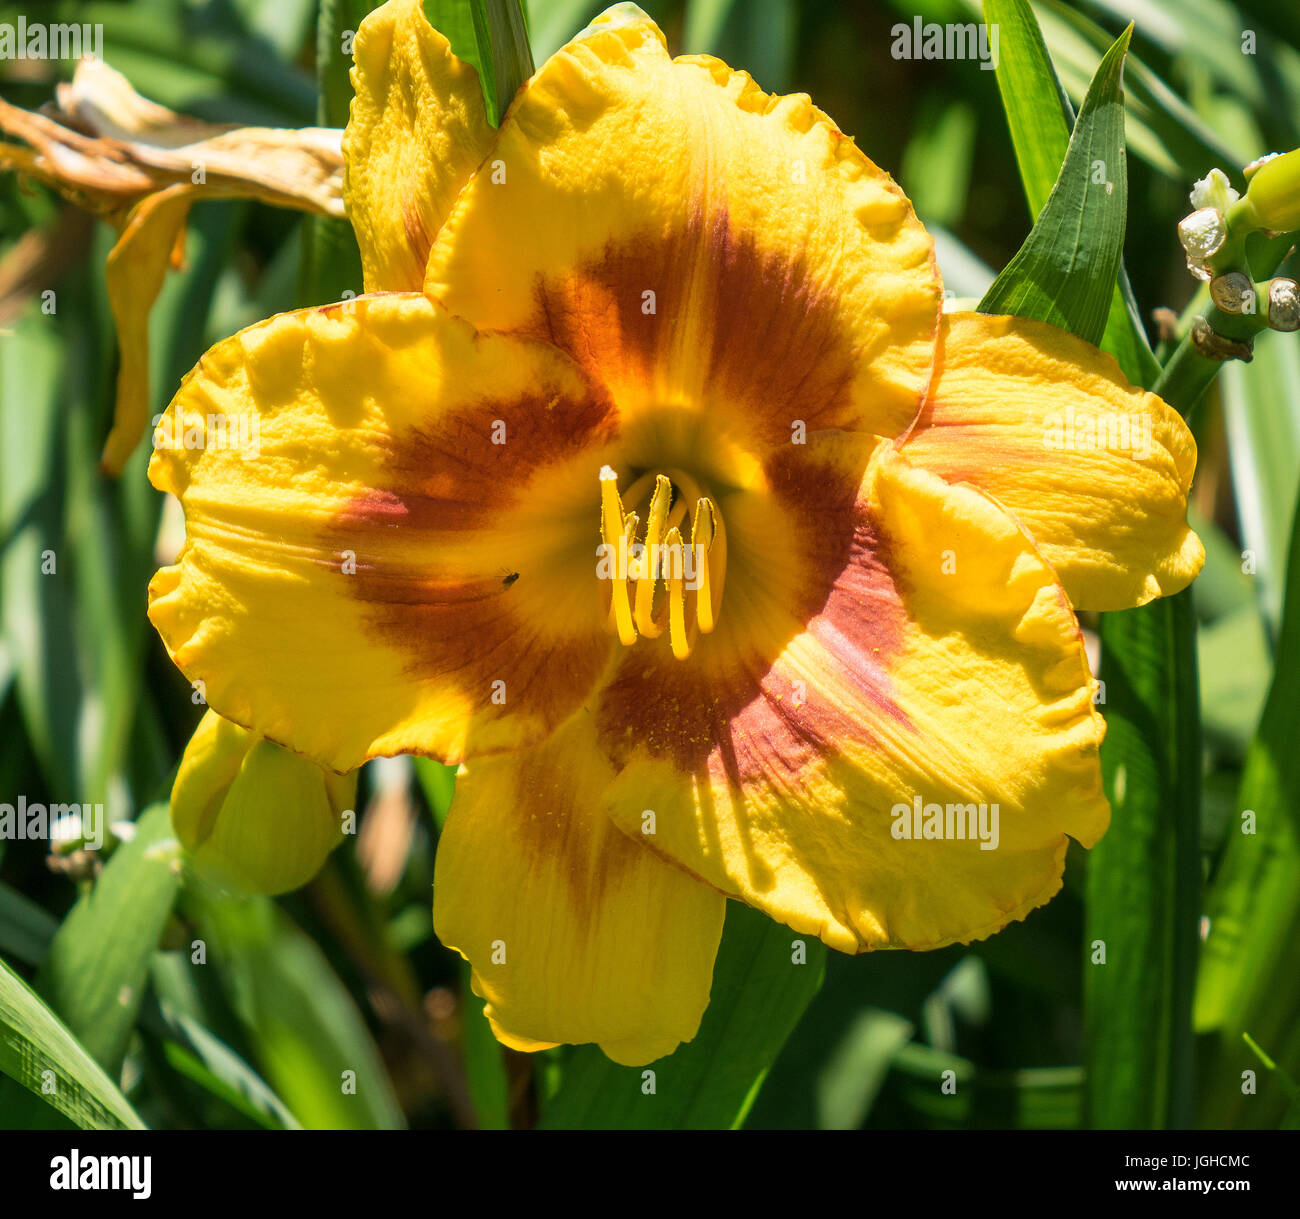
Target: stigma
[{"x": 660, "y": 579}]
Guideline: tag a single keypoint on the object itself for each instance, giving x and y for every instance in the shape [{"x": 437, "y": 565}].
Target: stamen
[
  {"x": 645, "y": 585},
  {"x": 703, "y": 532},
  {"x": 618, "y": 533},
  {"x": 663, "y": 556},
  {"x": 674, "y": 562}
]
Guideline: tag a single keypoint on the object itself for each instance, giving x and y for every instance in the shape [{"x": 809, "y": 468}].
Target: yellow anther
[
  {"x": 622, "y": 602},
  {"x": 645, "y": 585},
  {"x": 703, "y": 533},
  {"x": 674, "y": 565},
  {"x": 617, "y": 532},
  {"x": 611, "y": 507},
  {"x": 664, "y": 555}
]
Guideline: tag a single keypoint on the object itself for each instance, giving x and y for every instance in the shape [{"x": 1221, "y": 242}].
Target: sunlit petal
[
  {"x": 368, "y": 567},
  {"x": 1096, "y": 470},
  {"x": 575, "y": 932}
]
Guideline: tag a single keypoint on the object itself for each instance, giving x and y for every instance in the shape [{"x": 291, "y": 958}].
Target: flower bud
[
  {"x": 254, "y": 816},
  {"x": 1273, "y": 192},
  {"x": 1213, "y": 190}
]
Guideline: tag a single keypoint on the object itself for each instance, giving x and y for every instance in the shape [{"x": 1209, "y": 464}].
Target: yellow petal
[
  {"x": 944, "y": 664},
  {"x": 700, "y": 245},
  {"x": 576, "y": 933},
  {"x": 389, "y": 543},
  {"x": 255, "y": 817},
  {"x": 1096, "y": 470},
  {"x": 209, "y": 766},
  {"x": 134, "y": 276},
  {"x": 416, "y": 131}
]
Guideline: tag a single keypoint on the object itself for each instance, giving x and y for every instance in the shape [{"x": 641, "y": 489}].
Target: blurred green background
[{"x": 346, "y": 973}]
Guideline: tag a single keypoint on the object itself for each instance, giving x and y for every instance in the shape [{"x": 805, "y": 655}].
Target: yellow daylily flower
[
  {"x": 254, "y": 817},
  {"x": 661, "y": 307}
]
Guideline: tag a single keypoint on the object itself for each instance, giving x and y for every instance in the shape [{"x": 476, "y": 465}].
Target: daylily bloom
[{"x": 661, "y": 307}]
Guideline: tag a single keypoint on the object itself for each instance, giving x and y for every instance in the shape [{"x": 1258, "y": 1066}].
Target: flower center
[{"x": 691, "y": 571}]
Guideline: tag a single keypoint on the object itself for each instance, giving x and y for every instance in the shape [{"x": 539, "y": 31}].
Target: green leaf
[
  {"x": 1040, "y": 117},
  {"x": 179, "y": 61},
  {"x": 1164, "y": 130},
  {"x": 855, "y": 1073},
  {"x": 485, "y": 1062},
  {"x": 79, "y": 548},
  {"x": 710, "y": 1082},
  {"x": 1038, "y": 112},
  {"x": 1222, "y": 588},
  {"x": 1067, "y": 269},
  {"x": 1261, "y": 407},
  {"x": 1144, "y": 875},
  {"x": 705, "y": 21},
  {"x": 336, "y": 26},
  {"x": 937, "y": 161},
  {"x": 455, "y": 21},
  {"x": 758, "y": 35},
  {"x": 1235, "y": 666},
  {"x": 187, "y": 1012},
  {"x": 311, "y": 1043},
  {"x": 331, "y": 261},
  {"x": 285, "y": 25},
  {"x": 804, "y": 1089},
  {"x": 26, "y": 929},
  {"x": 97, "y": 967},
  {"x": 1291, "y": 1118},
  {"x": 502, "y": 36},
  {"x": 207, "y": 1061},
  {"x": 438, "y": 783},
  {"x": 1210, "y": 36},
  {"x": 36, "y": 603},
  {"x": 1250, "y": 962},
  {"x": 1124, "y": 337},
  {"x": 37, "y": 1050},
  {"x": 1037, "y": 1098},
  {"x": 552, "y": 23}
]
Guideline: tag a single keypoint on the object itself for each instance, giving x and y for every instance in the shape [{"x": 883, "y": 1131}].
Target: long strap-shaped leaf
[
  {"x": 1066, "y": 271},
  {"x": 38, "y": 1052},
  {"x": 1252, "y": 956},
  {"x": 505, "y": 60},
  {"x": 1144, "y": 876},
  {"x": 96, "y": 969},
  {"x": 1040, "y": 134}
]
